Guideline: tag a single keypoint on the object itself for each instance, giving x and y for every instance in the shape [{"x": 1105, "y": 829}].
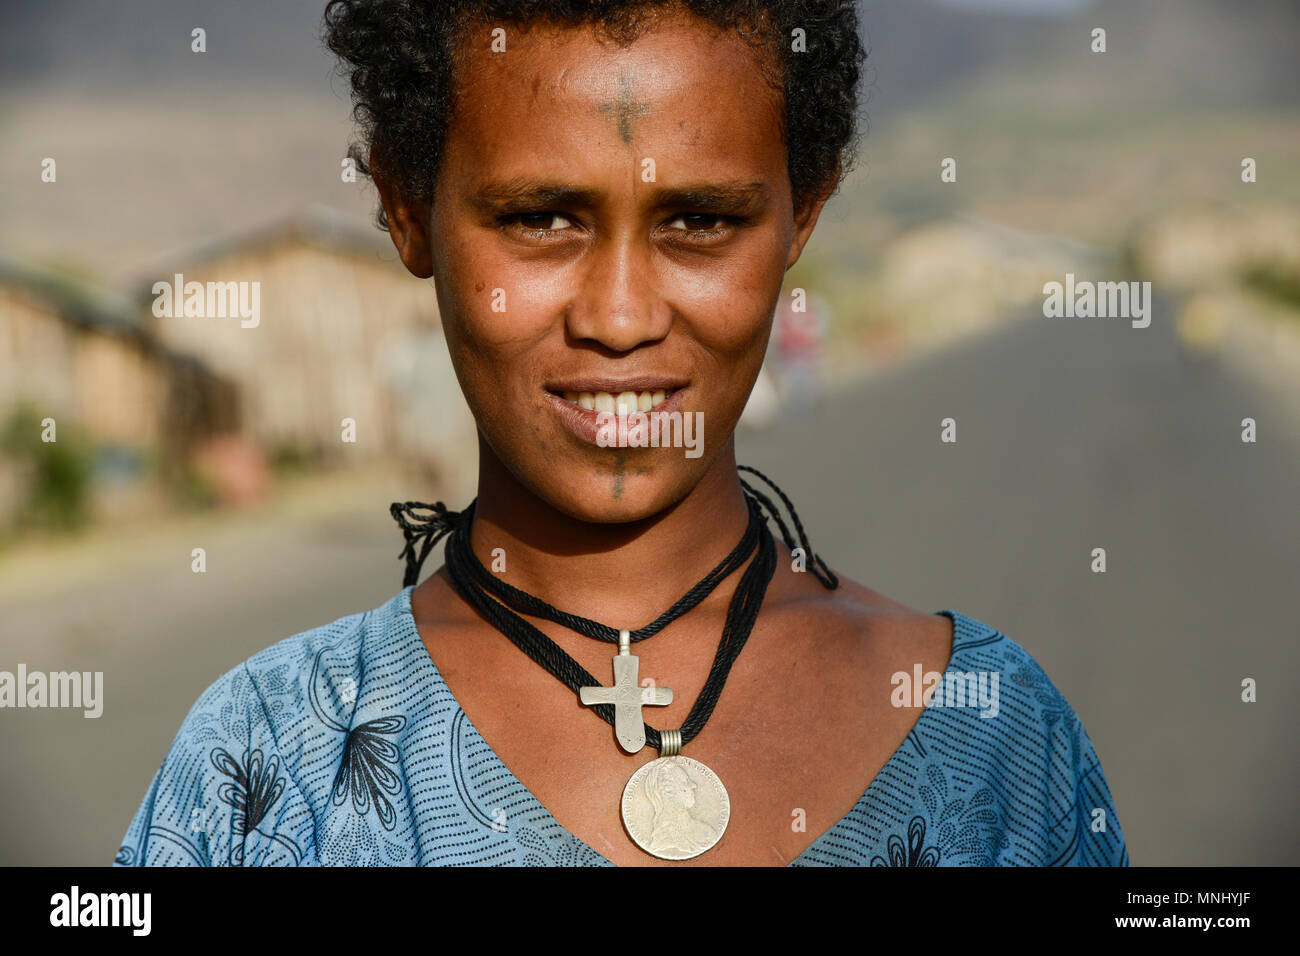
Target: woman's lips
[
  {"x": 633, "y": 401},
  {"x": 584, "y": 422}
]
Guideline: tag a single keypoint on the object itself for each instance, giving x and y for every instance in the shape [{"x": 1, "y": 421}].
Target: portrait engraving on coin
[{"x": 675, "y": 808}]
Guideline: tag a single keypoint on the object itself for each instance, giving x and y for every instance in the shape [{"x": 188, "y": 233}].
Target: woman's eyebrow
[
  {"x": 739, "y": 197},
  {"x": 532, "y": 194},
  {"x": 734, "y": 197}
]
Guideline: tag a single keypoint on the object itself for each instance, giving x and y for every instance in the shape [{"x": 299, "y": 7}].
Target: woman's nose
[{"x": 617, "y": 303}]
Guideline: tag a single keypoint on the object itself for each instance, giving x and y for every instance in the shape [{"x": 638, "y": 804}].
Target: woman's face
[
  {"x": 678, "y": 788},
  {"x": 609, "y": 220}
]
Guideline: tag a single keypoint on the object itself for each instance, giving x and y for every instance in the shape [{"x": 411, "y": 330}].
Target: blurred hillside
[
  {"x": 160, "y": 147},
  {"x": 1052, "y": 140},
  {"x": 1066, "y": 158}
]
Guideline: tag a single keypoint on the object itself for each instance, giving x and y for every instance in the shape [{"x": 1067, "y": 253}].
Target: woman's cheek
[
  {"x": 730, "y": 330},
  {"x": 506, "y": 317},
  {"x": 729, "y": 307}
]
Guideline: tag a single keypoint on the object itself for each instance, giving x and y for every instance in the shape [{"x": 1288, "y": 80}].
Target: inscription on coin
[{"x": 675, "y": 808}]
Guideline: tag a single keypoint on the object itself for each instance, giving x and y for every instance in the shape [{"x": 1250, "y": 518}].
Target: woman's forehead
[{"x": 568, "y": 93}]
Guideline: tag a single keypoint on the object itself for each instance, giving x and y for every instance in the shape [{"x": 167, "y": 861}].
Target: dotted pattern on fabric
[{"x": 343, "y": 745}]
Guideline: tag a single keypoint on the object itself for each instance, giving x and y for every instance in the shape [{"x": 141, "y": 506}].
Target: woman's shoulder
[
  {"x": 997, "y": 734},
  {"x": 326, "y": 659},
  {"x": 949, "y": 650},
  {"x": 246, "y": 759},
  {"x": 974, "y": 668},
  {"x": 997, "y": 767}
]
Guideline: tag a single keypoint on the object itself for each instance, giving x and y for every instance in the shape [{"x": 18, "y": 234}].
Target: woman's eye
[
  {"x": 540, "y": 225},
  {"x": 698, "y": 222},
  {"x": 542, "y": 221}
]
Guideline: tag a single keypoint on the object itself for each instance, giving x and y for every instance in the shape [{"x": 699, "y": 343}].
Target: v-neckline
[{"x": 407, "y": 615}]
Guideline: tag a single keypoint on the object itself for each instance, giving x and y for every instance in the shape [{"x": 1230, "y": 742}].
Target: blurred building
[
  {"x": 953, "y": 276},
  {"x": 1212, "y": 245},
  {"x": 77, "y": 352},
  {"x": 80, "y": 355},
  {"x": 345, "y": 361}
]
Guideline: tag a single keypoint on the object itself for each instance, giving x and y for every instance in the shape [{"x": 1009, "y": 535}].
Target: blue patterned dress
[{"x": 343, "y": 745}]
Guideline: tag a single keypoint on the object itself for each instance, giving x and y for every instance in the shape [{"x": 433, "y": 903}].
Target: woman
[{"x": 607, "y": 196}]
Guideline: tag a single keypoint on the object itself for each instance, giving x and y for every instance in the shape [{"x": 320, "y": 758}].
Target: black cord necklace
[
  {"x": 655, "y": 801},
  {"x": 526, "y": 603}
]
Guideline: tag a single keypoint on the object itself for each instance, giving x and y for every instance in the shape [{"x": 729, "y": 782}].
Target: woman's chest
[{"x": 794, "y": 739}]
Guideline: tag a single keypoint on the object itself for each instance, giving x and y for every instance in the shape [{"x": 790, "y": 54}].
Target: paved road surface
[{"x": 1072, "y": 435}]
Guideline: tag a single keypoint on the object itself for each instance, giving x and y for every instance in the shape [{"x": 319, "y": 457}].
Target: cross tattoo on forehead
[{"x": 626, "y": 108}]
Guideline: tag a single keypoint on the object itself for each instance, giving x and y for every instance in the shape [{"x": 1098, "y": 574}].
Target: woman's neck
[{"x": 622, "y": 574}]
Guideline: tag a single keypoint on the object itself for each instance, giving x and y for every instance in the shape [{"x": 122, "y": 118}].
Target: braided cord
[{"x": 478, "y": 587}]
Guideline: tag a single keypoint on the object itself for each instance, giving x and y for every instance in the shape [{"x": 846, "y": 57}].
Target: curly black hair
[{"x": 400, "y": 56}]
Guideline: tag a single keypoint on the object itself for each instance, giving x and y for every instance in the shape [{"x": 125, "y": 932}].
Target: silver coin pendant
[{"x": 675, "y": 808}]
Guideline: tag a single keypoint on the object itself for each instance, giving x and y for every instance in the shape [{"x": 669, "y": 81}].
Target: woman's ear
[
  {"x": 807, "y": 214},
  {"x": 408, "y": 222}
]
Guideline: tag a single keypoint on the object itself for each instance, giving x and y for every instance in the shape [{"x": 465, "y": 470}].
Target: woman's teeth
[{"x": 623, "y": 401}]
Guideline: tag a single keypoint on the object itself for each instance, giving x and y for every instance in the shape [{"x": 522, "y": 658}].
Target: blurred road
[
  {"x": 1075, "y": 434},
  {"x": 1072, "y": 435}
]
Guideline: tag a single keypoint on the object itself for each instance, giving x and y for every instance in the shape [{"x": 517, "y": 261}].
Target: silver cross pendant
[{"x": 627, "y": 696}]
